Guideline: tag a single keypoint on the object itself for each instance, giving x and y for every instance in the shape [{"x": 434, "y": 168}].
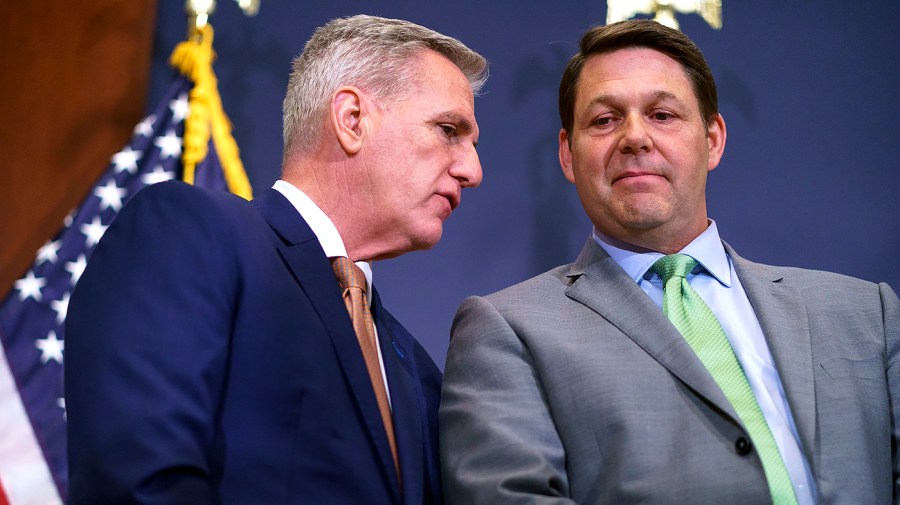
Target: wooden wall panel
[{"x": 73, "y": 80}]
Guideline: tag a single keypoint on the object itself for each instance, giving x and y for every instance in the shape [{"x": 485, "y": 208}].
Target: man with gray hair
[{"x": 224, "y": 351}]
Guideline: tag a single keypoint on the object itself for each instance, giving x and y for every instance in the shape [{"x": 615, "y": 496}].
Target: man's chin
[
  {"x": 644, "y": 215},
  {"x": 429, "y": 240},
  {"x": 417, "y": 242}
]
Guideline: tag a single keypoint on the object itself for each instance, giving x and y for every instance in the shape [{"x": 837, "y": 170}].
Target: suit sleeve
[
  {"x": 891, "y": 307},
  {"x": 146, "y": 351},
  {"x": 498, "y": 443}
]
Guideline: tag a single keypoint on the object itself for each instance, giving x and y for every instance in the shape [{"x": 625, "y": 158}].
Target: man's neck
[{"x": 660, "y": 239}]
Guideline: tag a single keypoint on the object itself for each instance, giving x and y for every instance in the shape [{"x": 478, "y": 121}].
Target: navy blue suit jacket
[{"x": 210, "y": 359}]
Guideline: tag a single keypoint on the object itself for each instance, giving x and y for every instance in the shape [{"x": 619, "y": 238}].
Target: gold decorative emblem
[{"x": 664, "y": 10}]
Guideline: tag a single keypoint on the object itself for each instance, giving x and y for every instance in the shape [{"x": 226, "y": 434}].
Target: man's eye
[
  {"x": 449, "y": 130},
  {"x": 603, "y": 121},
  {"x": 662, "y": 116}
]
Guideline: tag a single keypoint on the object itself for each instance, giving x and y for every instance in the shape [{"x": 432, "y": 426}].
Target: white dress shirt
[
  {"x": 331, "y": 243},
  {"x": 715, "y": 280}
]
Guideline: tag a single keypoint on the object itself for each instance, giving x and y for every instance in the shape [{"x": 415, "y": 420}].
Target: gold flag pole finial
[
  {"x": 664, "y": 10},
  {"x": 198, "y": 12}
]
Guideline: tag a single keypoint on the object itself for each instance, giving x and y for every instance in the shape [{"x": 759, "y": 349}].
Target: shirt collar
[
  {"x": 707, "y": 249},
  {"x": 320, "y": 223}
]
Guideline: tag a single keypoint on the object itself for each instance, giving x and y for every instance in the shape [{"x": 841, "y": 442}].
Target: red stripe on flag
[{"x": 3, "y": 499}]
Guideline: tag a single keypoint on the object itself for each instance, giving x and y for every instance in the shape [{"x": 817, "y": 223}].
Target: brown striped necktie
[{"x": 353, "y": 282}]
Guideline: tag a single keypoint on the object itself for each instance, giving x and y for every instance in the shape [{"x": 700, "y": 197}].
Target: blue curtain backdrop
[{"x": 808, "y": 90}]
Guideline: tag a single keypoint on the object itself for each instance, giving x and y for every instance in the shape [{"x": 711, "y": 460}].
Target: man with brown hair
[{"x": 660, "y": 366}]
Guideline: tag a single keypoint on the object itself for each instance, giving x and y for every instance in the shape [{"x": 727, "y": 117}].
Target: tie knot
[
  {"x": 348, "y": 274},
  {"x": 674, "y": 265}
]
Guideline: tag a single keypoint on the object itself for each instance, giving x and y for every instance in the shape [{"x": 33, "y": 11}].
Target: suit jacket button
[{"x": 742, "y": 446}]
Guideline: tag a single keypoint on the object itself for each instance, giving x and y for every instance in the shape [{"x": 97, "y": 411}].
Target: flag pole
[{"x": 193, "y": 58}]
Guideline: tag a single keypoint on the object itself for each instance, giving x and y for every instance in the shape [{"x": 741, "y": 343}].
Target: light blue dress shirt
[{"x": 715, "y": 280}]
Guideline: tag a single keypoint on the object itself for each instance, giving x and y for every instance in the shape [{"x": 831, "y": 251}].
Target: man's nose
[
  {"x": 635, "y": 137},
  {"x": 468, "y": 170}
]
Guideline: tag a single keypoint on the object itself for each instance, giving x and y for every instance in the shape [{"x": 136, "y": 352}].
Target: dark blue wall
[{"x": 808, "y": 90}]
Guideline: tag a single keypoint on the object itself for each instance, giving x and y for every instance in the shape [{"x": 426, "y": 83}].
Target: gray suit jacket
[{"x": 573, "y": 387}]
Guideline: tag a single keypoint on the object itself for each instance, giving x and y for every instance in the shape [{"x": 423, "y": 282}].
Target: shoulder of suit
[
  {"x": 176, "y": 190},
  {"x": 218, "y": 215},
  {"x": 192, "y": 201},
  {"x": 803, "y": 277},
  {"x": 539, "y": 287}
]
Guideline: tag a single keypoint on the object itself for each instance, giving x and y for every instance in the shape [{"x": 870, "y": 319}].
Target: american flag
[{"x": 33, "y": 469}]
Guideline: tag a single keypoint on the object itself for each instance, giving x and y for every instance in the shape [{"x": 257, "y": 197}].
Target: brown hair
[{"x": 640, "y": 33}]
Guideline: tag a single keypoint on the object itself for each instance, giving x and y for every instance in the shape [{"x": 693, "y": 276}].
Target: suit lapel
[
  {"x": 601, "y": 284},
  {"x": 782, "y": 316},
  {"x": 307, "y": 262},
  {"x": 407, "y": 401}
]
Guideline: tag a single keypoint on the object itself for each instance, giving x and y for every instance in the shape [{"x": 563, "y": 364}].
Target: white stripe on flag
[{"x": 25, "y": 475}]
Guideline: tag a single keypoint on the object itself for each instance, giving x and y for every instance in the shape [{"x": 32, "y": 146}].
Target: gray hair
[{"x": 371, "y": 53}]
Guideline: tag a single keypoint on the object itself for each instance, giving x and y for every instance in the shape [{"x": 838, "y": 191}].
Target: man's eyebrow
[
  {"x": 656, "y": 96},
  {"x": 461, "y": 122},
  {"x": 659, "y": 96}
]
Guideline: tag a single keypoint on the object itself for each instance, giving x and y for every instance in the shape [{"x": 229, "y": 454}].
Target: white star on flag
[
  {"x": 126, "y": 160},
  {"x": 110, "y": 195},
  {"x": 145, "y": 127},
  {"x": 76, "y": 268},
  {"x": 48, "y": 252},
  {"x": 169, "y": 145},
  {"x": 180, "y": 108},
  {"x": 94, "y": 231},
  {"x": 61, "y": 402},
  {"x": 51, "y": 348},
  {"x": 159, "y": 174},
  {"x": 61, "y": 307},
  {"x": 30, "y": 287}
]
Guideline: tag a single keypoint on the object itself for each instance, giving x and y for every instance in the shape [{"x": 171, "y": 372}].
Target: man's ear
[
  {"x": 716, "y": 136},
  {"x": 565, "y": 155},
  {"x": 346, "y": 113}
]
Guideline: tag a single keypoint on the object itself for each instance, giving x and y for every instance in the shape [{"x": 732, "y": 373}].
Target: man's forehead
[
  {"x": 628, "y": 59},
  {"x": 632, "y": 64}
]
